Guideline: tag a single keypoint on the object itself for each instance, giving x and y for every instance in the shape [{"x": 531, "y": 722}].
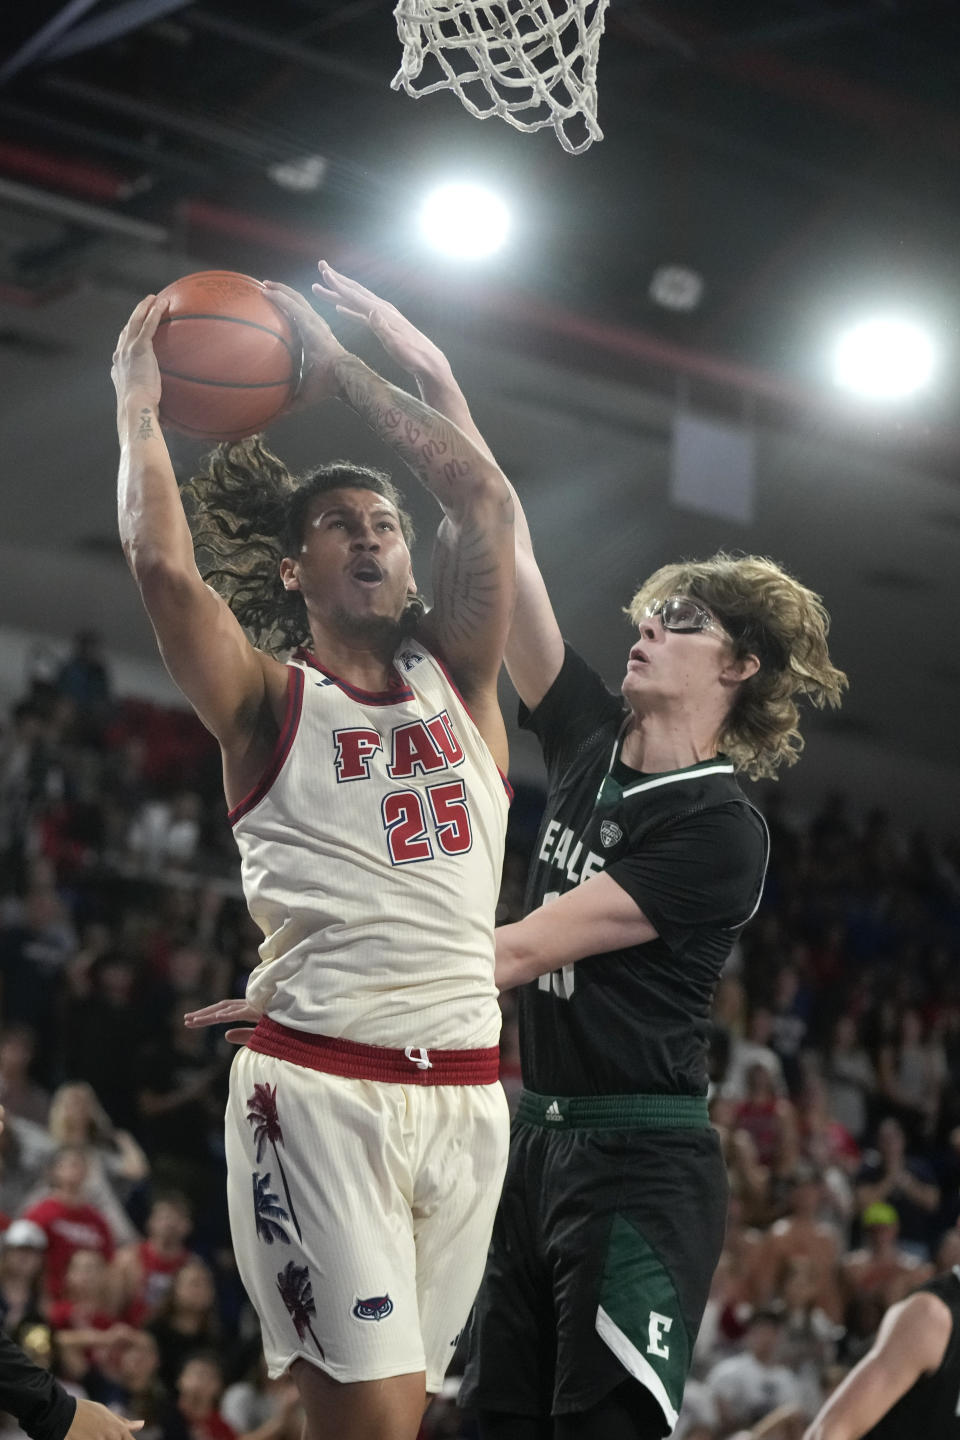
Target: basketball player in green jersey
[{"x": 648, "y": 863}]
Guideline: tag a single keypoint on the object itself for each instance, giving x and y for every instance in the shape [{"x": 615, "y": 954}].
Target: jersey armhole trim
[
  {"x": 288, "y": 730},
  {"x": 456, "y": 690}
]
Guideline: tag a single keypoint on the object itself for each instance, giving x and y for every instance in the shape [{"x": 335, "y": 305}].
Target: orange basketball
[{"x": 229, "y": 359}]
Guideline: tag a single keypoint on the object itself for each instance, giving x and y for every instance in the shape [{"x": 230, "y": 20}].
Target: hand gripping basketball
[
  {"x": 135, "y": 368},
  {"x": 321, "y": 348}
]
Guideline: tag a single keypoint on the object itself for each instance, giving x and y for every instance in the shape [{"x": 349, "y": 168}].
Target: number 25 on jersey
[{"x": 411, "y": 833}]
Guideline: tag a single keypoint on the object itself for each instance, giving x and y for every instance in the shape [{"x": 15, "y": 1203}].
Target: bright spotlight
[
  {"x": 884, "y": 359},
  {"x": 464, "y": 221}
]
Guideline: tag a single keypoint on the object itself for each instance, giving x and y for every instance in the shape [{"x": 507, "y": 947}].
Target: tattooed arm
[
  {"x": 534, "y": 650},
  {"x": 474, "y": 568}
]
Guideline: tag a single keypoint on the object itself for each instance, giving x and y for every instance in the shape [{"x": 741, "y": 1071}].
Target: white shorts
[{"x": 360, "y": 1213}]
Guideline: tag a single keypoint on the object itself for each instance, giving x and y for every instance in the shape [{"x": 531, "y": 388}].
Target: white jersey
[{"x": 371, "y": 853}]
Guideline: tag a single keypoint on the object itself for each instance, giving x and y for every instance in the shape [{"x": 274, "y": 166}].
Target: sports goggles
[{"x": 679, "y": 612}]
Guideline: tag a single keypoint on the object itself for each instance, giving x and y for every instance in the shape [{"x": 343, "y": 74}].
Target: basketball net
[{"x": 532, "y": 62}]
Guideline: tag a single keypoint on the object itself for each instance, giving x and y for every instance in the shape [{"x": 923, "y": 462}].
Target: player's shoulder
[{"x": 923, "y": 1320}]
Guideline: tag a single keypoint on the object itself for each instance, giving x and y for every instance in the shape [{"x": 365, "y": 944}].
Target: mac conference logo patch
[
  {"x": 610, "y": 833},
  {"x": 377, "y": 1307}
]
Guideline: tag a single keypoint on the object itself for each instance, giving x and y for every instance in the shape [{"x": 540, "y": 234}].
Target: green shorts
[{"x": 609, "y": 1230}]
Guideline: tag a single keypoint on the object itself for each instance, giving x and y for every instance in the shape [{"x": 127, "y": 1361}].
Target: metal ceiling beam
[
  {"x": 87, "y": 217},
  {"x": 38, "y": 44},
  {"x": 131, "y": 15},
  {"x": 290, "y": 50},
  {"x": 255, "y": 146},
  {"x": 72, "y": 131}
]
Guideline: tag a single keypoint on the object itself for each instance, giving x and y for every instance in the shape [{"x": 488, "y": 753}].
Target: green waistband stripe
[{"x": 613, "y": 1112}]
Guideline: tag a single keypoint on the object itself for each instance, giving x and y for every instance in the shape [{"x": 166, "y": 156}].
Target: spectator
[
  {"x": 746, "y": 1387},
  {"x": 849, "y": 1076},
  {"x": 33, "y": 952},
  {"x": 85, "y": 680},
  {"x": 832, "y": 1150},
  {"x": 770, "y": 1120},
  {"x": 147, "y": 1268},
  {"x": 801, "y": 1236},
  {"x": 180, "y": 1094},
  {"x": 25, "y": 1155},
  {"x": 115, "y": 1162},
  {"x": 85, "y": 1320},
  {"x": 789, "y": 1024},
  {"x": 22, "y": 1096},
  {"x": 259, "y": 1408},
  {"x": 187, "y": 1320},
  {"x": 21, "y": 1271},
  {"x": 912, "y": 1072},
  {"x": 754, "y": 1049},
  {"x": 136, "y": 1389},
  {"x": 68, "y": 1222},
  {"x": 882, "y": 1269},
  {"x": 199, "y": 1390},
  {"x": 748, "y": 1179},
  {"x": 101, "y": 1034},
  {"x": 907, "y": 1182},
  {"x": 166, "y": 833}
]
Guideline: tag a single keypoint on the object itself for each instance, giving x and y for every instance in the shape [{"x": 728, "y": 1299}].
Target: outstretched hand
[
  {"x": 403, "y": 342},
  {"x": 135, "y": 368},
  {"x": 225, "y": 1012},
  {"x": 321, "y": 348}
]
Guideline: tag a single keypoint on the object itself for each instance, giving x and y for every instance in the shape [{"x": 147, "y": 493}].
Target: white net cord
[{"x": 531, "y": 62}]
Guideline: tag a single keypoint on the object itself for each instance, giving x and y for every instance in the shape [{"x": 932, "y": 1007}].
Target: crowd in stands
[{"x": 835, "y": 1083}]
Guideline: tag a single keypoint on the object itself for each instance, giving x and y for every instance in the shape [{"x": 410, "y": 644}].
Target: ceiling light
[
  {"x": 464, "y": 221},
  {"x": 304, "y": 172},
  {"x": 886, "y": 358},
  {"x": 676, "y": 287}
]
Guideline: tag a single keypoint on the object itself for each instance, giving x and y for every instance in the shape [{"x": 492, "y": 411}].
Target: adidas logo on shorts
[{"x": 553, "y": 1112}]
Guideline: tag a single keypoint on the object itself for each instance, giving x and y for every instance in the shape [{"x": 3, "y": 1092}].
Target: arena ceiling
[{"x": 801, "y": 156}]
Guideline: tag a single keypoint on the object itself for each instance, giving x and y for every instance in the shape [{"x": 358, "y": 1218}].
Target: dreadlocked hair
[
  {"x": 246, "y": 512},
  {"x": 772, "y": 616}
]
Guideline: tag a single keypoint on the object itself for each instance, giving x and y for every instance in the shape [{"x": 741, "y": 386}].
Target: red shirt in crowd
[
  {"x": 157, "y": 1272},
  {"x": 68, "y": 1228}
]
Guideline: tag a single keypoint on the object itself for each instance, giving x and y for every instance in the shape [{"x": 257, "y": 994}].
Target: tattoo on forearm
[
  {"x": 468, "y": 563},
  {"x": 145, "y": 430},
  {"x": 419, "y": 435}
]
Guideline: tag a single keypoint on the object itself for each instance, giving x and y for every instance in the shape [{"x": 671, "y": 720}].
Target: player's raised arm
[
  {"x": 474, "y": 571},
  {"x": 534, "y": 648},
  {"x": 202, "y": 645}
]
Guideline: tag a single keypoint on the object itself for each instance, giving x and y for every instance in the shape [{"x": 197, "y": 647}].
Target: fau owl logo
[
  {"x": 419, "y": 748},
  {"x": 377, "y": 1307}
]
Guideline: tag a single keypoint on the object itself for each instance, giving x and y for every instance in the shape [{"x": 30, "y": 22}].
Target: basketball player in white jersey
[{"x": 366, "y": 1127}]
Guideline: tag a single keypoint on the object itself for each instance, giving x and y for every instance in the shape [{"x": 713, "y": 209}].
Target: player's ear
[
  {"x": 411, "y": 583},
  {"x": 739, "y": 668},
  {"x": 289, "y": 573}
]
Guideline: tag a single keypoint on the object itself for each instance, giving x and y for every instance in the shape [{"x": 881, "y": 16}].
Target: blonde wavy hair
[{"x": 771, "y": 615}]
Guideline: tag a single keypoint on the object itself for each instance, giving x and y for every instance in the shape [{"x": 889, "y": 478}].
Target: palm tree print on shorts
[
  {"x": 262, "y": 1114},
  {"x": 267, "y": 1211},
  {"x": 296, "y": 1292}
]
